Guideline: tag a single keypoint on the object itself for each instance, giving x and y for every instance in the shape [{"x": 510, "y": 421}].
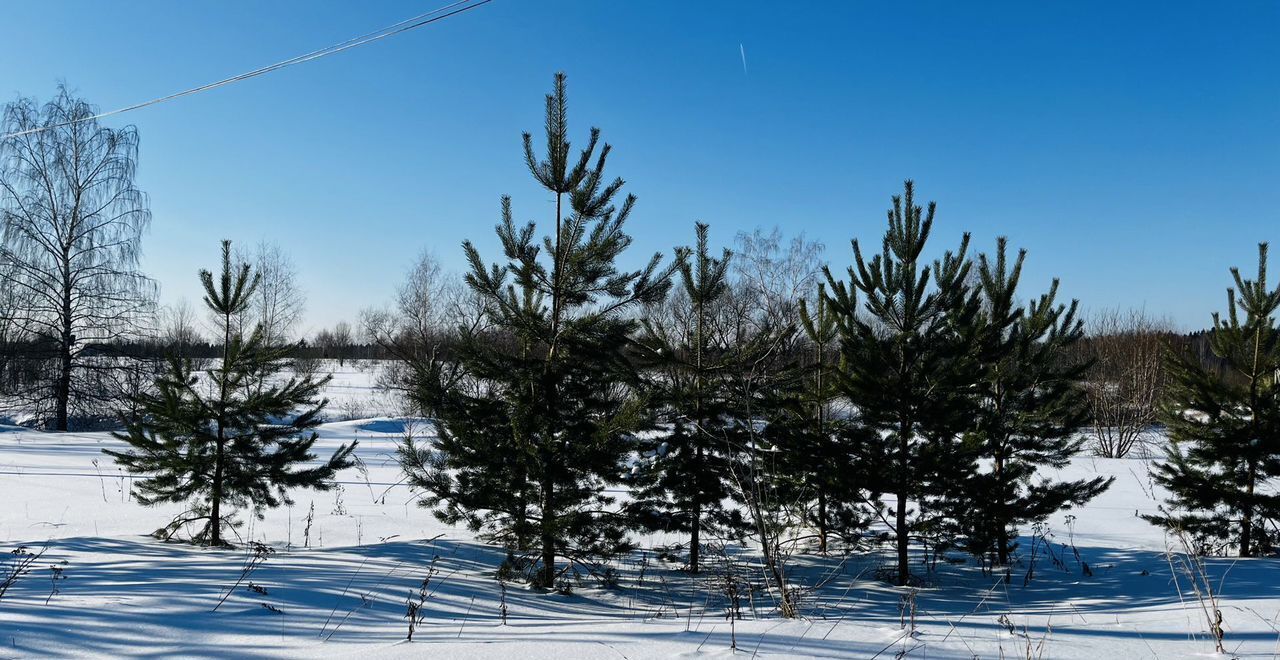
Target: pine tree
[
  {"x": 687, "y": 481},
  {"x": 907, "y": 362},
  {"x": 560, "y": 376},
  {"x": 1224, "y": 428},
  {"x": 478, "y": 472},
  {"x": 209, "y": 438},
  {"x": 817, "y": 436},
  {"x": 1030, "y": 407}
]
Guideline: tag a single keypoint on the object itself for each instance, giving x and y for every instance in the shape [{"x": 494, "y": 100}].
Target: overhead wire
[{"x": 401, "y": 27}]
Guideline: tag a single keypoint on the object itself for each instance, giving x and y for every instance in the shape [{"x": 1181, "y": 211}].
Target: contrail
[{"x": 743, "y": 50}]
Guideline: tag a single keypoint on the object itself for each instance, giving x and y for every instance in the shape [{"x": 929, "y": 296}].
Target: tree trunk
[
  {"x": 695, "y": 540},
  {"x": 1246, "y": 533},
  {"x": 822, "y": 521},
  {"x": 770, "y": 549},
  {"x": 695, "y": 534},
  {"x": 62, "y": 389},
  {"x": 1251, "y": 474},
  {"x": 548, "y": 529},
  {"x": 904, "y": 538},
  {"x": 786, "y": 603},
  {"x": 1246, "y": 513},
  {"x": 548, "y": 480},
  {"x": 695, "y": 528},
  {"x": 522, "y": 522},
  {"x": 825, "y": 440},
  {"x": 1002, "y": 530},
  {"x": 215, "y": 508}
]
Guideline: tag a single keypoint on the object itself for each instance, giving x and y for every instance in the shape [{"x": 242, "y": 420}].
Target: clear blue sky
[{"x": 1132, "y": 148}]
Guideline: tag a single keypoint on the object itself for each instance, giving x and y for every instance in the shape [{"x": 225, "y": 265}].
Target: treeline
[{"x": 161, "y": 347}]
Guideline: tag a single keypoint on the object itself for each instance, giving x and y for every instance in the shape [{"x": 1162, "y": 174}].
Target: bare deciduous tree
[
  {"x": 424, "y": 297},
  {"x": 280, "y": 302},
  {"x": 73, "y": 222},
  {"x": 180, "y": 329},
  {"x": 342, "y": 338},
  {"x": 774, "y": 518},
  {"x": 430, "y": 306},
  {"x": 342, "y": 333},
  {"x": 777, "y": 275},
  {"x": 332, "y": 342},
  {"x": 1127, "y": 378},
  {"x": 179, "y": 325}
]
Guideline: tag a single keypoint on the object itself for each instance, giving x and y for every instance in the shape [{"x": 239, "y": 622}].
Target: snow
[{"x": 341, "y": 589}]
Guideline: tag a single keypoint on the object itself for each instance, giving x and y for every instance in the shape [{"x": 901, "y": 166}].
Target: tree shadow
[{"x": 141, "y": 597}]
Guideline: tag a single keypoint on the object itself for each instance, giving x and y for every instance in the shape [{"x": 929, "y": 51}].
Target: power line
[{"x": 391, "y": 30}]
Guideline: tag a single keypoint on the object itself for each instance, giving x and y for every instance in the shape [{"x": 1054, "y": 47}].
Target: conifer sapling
[
  {"x": 209, "y": 439},
  {"x": 1224, "y": 427}
]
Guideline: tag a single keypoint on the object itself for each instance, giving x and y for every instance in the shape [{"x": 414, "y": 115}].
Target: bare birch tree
[
  {"x": 430, "y": 306},
  {"x": 280, "y": 302},
  {"x": 776, "y": 274},
  {"x": 73, "y": 222}
]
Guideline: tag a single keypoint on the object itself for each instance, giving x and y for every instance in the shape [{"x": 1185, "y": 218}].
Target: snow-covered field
[{"x": 339, "y": 588}]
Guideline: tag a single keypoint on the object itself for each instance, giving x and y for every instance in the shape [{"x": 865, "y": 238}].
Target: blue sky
[{"x": 1132, "y": 148}]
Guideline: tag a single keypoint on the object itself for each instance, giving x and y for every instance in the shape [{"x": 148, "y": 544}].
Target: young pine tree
[
  {"x": 1224, "y": 428},
  {"x": 818, "y": 439},
  {"x": 208, "y": 439},
  {"x": 555, "y": 368},
  {"x": 1030, "y": 408},
  {"x": 687, "y": 482},
  {"x": 907, "y": 363}
]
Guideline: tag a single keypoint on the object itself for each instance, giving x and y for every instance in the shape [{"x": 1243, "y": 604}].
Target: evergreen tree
[
  {"x": 561, "y": 377},
  {"x": 687, "y": 481},
  {"x": 478, "y": 472},
  {"x": 907, "y": 363},
  {"x": 1224, "y": 428},
  {"x": 207, "y": 437},
  {"x": 818, "y": 439},
  {"x": 1030, "y": 406}
]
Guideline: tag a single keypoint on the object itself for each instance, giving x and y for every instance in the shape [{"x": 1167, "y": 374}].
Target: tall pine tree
[
  {"x": 906, "y": 338},
  {"x": 1224, "y": 427},
  {"x": 208, "y": 437},
  {"x": 558, "y": 372},
  {"x": 1029, "y": 410}
]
